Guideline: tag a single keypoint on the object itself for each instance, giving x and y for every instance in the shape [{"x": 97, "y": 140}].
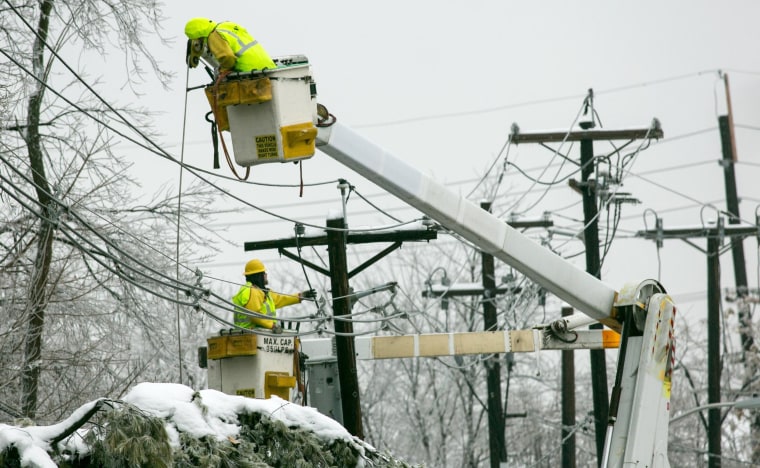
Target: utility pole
[
  {"x": 336, "y": 239},
  {"x": 588, "y": 187},
  {"x": 568, "y": 403},
  {"x": 744, "y": 312},
  {"x": 714, "y": 235},
  {"x": 344, "y": 330},
  {"x": 496, "y": 442},
  {"x": 599, "y": 383},
  {"x": 728, "y": 146},
  {"x": 713, "y": 351}
]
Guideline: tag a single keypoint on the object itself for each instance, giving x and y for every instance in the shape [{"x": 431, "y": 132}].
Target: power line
[
  {"x": 64, "y": 229},
  {"x": 111, "y": 223},
  {"x": 682, "y": 195},
  {"x": 504, "y": 149},
  {"x": 749, "y": 127},
  {"x": 743, "y": 72},
  {"x": 538, "y": 101}
]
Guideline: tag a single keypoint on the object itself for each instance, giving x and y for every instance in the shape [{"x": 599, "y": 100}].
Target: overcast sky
[{"x": 440, "y": 84}]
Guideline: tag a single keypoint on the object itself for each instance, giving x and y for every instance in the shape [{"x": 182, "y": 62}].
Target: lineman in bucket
[
  {"x": 226, "y": 45},
  {"x": 256, "y": 297}
]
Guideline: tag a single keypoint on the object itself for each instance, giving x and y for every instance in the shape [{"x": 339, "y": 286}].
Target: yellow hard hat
[
  {"x": 199, "y": 27},
  {"x": 254, "y": 266}
]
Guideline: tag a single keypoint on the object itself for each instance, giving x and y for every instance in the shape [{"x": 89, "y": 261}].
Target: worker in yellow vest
[
  {"x": 227, "y": 44},
  {"x": 256, "y": 297}
]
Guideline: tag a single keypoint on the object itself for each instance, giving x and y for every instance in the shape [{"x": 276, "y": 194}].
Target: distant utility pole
[
  {"x": 744, "y": 312},
  {"x": 588, "y": 186},
  {"x": 336, "y": 240},
  {"x": 497, "y": 443},
  {"x": 568, "y": 403},
  {"x": 715, "y": 235}
]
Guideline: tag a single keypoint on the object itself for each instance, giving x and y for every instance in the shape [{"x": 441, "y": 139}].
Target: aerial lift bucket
[
  {"x": 271, "y": 114},
  {"x": 251, "y": 365}
]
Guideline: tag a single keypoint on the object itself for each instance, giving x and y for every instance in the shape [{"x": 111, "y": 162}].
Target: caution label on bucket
[{"x": 266, "y": 147}]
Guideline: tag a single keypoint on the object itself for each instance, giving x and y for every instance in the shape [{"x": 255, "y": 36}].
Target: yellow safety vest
[
  {"x": 243, "y": 297},
  {"x": 250, "y": 54}
]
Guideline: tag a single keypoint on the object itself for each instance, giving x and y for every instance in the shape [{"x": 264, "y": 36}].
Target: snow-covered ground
[{"x": 203, "y": 413}]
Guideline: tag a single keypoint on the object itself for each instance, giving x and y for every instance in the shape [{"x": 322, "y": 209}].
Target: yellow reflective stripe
[
  {"x": 269, "y": 306},
  {"x": 243, "y": 46}
]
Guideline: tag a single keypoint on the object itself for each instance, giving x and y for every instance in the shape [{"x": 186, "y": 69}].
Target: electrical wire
[
  {"x": 687, "y": 135},
  {"x": 374, "y": 331},
  {"x": 96, "y": 253},
  {"x": 465, "y": 181},
  {"x": 352, "y": 188},
  {"x": 468, "y": 113},
  {"x": 575, "y": 171},
  {"x": 123, "y": 231},
  {"x": 364, "y": 197},
  {"x": 659, "y": 170},
  {"x": 685, "y": 196},
  {"x": 652, "y": 171},
  {"x": 748, "y": 127},
  {"x": 254, "y": 314},
  {"x": 256, "y": 330},
  {"x": 541, "y": 101},
  {"x": 504, "y": 149},
  {"x": 609, "y": 235},
  {"x": 541, "y": 182},
  {"x": 179, "y": 221},
  {"x": 81, "y": 221}
]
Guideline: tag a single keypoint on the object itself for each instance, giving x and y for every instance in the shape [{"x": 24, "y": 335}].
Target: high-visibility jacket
[
  {"x": 254, "y": 299},
  {"x": 238, "y": 50}
]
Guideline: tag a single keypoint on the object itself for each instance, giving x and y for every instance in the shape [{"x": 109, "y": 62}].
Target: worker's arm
[
  {"x": 282, "y": 300},
  {"x": 222, "y": 51}
]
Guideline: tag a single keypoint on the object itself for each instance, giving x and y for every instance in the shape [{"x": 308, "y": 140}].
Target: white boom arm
[{"x": 492, "y": 235}]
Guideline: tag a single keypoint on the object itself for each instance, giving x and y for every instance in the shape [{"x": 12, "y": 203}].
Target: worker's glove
[
  {"x": 194, "y": 51},
  {"x": 277, "y": 329},
  {"x": 310, "y": 294}
]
